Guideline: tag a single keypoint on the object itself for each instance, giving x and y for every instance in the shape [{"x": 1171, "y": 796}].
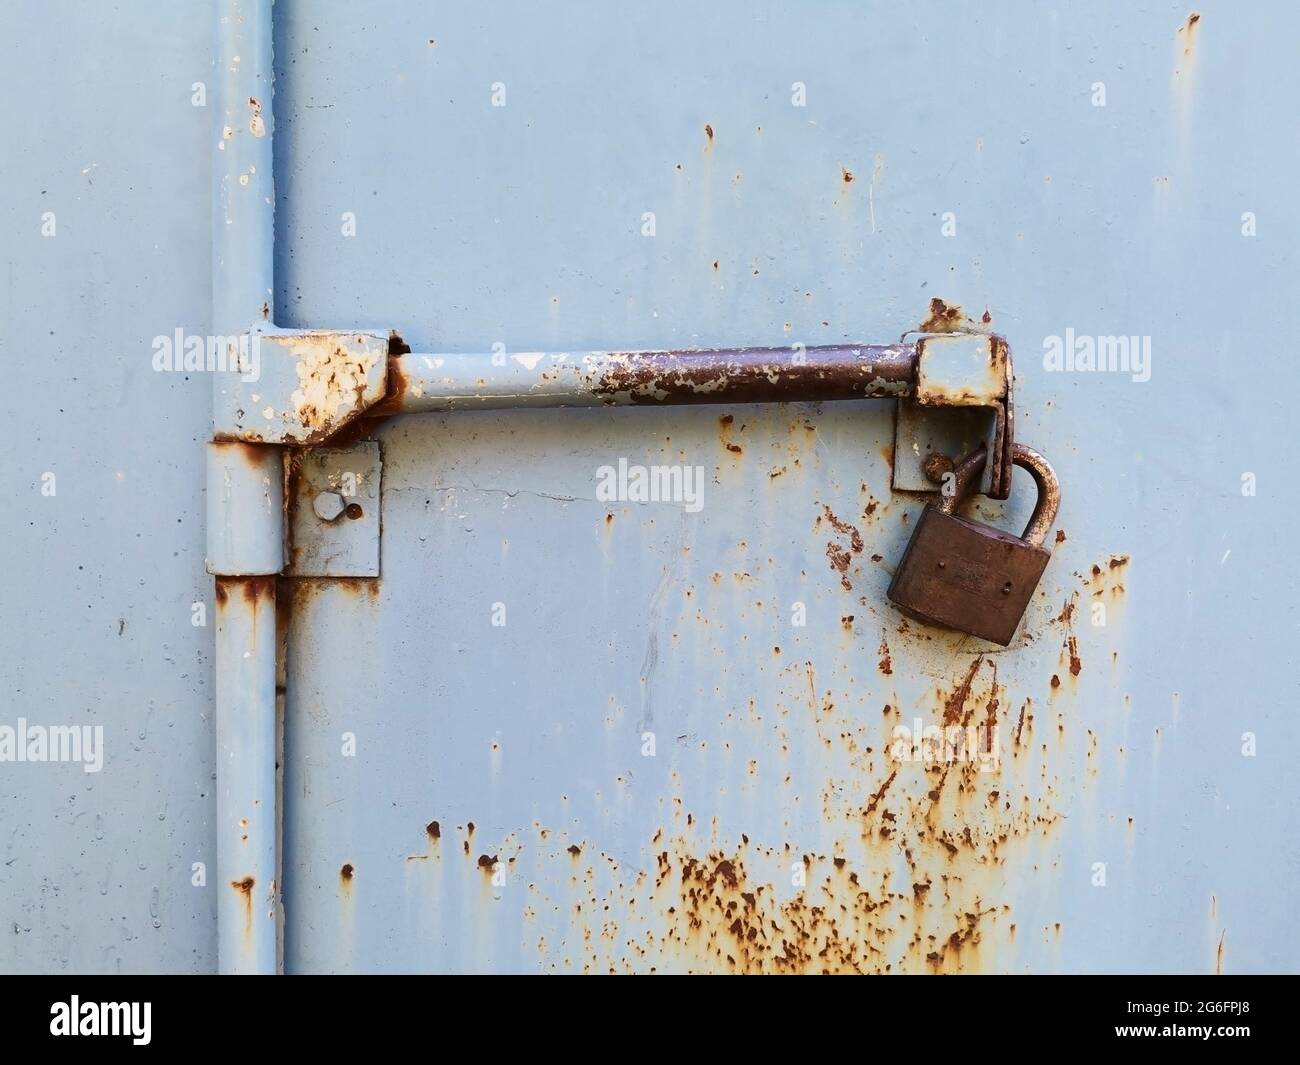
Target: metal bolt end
[
  {"x": 936, "y": 465},
  {"x": 328, "y": 506}
]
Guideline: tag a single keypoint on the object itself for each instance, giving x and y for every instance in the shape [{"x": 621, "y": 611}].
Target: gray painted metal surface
[{"x": 564, "y": 731}]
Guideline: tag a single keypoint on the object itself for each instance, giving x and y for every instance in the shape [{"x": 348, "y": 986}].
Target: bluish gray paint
[{"x": 522, "y": 225}]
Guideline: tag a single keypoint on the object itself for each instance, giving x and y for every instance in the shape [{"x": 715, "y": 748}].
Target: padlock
[{"x": 960, "y": 574}]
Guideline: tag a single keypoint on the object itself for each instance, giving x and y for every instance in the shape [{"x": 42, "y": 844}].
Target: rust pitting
[{"x": 752, "y": 375}]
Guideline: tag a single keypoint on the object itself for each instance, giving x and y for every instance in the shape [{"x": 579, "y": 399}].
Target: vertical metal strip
[
  {"x": 247, "y": 806},
  {"x": 243, "y": 244}
]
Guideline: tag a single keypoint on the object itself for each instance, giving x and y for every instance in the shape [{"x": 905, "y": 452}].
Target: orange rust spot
[
  {"x": 943, "y": 318},
  {"x": 843, "y": 527},
  {"x": 245, "y": 888},
  {"x": 954, "y": 707},
  {"x": 252, "y": 454},
  {"x": 840, "y": 560},
  {"x": 486, "y": 862},
  {"x": 257, "y": 588},
  {"x": 846, "y": 174},
  {"x": 886, "y": 664},
  {"x": 573, "y": 849},
  {"x": 253, "y": 589},
  {"x": 434, "y": 830},
  {"x": 708, "y": 132},
  {"x": 346, "y": 872},
  {"x": 1060, "y": 536},
  {"x": 1056, "y": 681}
]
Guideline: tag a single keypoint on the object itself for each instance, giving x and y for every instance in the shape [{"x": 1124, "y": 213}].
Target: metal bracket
[
  {"x": 334, "y": 511},
  {"x": 962, "y": 398},
  {"x": 299, "y": 386}
]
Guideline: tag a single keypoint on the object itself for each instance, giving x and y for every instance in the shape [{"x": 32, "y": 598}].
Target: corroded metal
[
  {"x": 426, "y": 382},
  {"x": 964, "y": 575},
  {"x": 300, "y": 386}
]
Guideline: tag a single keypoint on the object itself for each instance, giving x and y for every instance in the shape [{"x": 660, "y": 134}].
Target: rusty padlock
[{"x": 960, "y": 574}]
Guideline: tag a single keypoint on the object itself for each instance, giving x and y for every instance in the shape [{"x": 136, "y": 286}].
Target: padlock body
[{"x": 962, "y": 575}]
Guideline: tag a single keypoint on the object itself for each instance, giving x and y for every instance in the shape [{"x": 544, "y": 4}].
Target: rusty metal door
[{"x": 560, "y": 732}]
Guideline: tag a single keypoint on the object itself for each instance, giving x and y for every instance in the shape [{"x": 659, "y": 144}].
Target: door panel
[{"x": 772, "y": 829}]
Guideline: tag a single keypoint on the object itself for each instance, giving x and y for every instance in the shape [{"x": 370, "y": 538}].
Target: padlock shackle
[
  {"x": 1049, "y": 493},
  {"x": 966, "y": 475}
]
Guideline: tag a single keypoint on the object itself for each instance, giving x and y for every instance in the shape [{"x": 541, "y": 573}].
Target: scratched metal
[{"x": 1119, "y": 744}]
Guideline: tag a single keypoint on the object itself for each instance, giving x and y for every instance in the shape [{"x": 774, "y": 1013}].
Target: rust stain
[
  {"x": 886, "y": 664},
  {"x": 245, "y": 888},
  {"x": 333, "y": 382},
  {"x": 846, "y": 175},
  {"x": 841, "y": 557},
  {"x": 302, "y": 590},
  {"x": 708, "y": 133},
  {"x": 251, "y": 455},
  {"x": 1187, "y": 31},
  {"x": 253, "y": 590},
  {"x": 1184, "y": 75},
  {"x": 914, "y": 879},
  {"x": 943, "y": 318},
  {"x": 749, "y": 375},
  {"x": 1219, "y": 952},
  {"x": 433, "y": 830},
  {"x": 840, "y": 560},
  {"x": 256, "y": 589},
  {"x": 843, "y": 527},
  {"x": 345, "y": 874}
]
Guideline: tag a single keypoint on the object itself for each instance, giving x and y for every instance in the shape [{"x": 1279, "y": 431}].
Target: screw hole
[{"x": 1006, "y": 588}]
